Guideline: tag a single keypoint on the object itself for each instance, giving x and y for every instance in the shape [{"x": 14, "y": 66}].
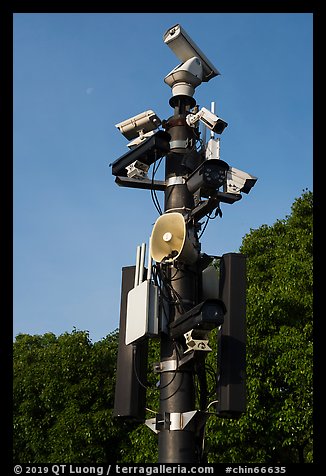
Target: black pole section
[{"x": 177, "y": 389}]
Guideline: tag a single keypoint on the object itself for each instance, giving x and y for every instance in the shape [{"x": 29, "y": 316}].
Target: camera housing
[
  {"x": 204, "y": 316},
  {"x": 213, "y": 122},
  {"x": 208, "y": 177},
  {"x": 147, "y": 153},
  {"x": 138, "y": 125},
  {"x": 238, "y": 181},
  {"x": 185, "y": 77},
  {"x": 185, "y": 48}
]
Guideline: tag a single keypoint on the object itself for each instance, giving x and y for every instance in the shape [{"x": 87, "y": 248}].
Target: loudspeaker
[{"x": 171, "y": 240}]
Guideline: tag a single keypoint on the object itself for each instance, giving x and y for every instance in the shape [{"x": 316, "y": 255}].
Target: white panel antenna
[{"x": 142, "y": 302}]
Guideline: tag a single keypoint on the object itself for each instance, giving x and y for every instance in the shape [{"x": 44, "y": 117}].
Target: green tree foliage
[
  {"x": 277, "y": 426},
  {"x": 64, "y": 386},
  {"x": 63, "y": 395},
  {"x": 63, "y": 399}
]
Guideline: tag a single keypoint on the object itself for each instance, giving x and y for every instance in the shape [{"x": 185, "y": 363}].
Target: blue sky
[{"x": 77, "y": 75}]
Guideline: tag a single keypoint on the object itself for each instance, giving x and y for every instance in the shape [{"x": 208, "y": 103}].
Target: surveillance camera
[
  {"x": 184, "y": 78},
  {"x": 142, "y": 123},
  {"x": 213, "y": 122},
  {"x": 204, "y": 317},
  {"x": 147, "y": 152},
  {"x": 137, "y": 170},
  {"x": 238, "y": 181},
  {"x": 185, "y": 48},
  {"x": 208, "y": 177}
]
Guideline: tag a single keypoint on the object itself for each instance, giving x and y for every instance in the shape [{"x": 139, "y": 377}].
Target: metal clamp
[
  {"x": 175, "y": 181},
  {"x": 181, "y": 144},
  {"x": 198, "y": 341},
  {"x": 166, "y": 366},
  {"x": 173, "y": 421}
]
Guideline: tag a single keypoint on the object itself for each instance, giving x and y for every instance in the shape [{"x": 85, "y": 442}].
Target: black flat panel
[
  {"x": 130, "y": 394},
  {"x": 231, "y": 390}
]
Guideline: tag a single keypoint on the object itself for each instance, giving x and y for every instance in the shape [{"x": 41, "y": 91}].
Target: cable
[
  {"x": 134, "y": 350},
  {"x": 173, "y": 278},
  {"x": 153, "y": 191},
  {"x": 212, "y": 373},
  {"x": 174, "y": 294},
  {"x": 159, "y": 282},
  {"x": 205, "y": 226},
  {"x": 176, "y": 390},
  {"x": 174, "y": 375},
  {"x": 177, "y": 298},
  {"x": 152, "y": 411},
  {"x": 201, "y": 376},
  {"x": 200, "y": 372},
  {"x": 159, "y": 387},
  {"x": 218, "y": 211},
  {"x": 211, "y": 403}
]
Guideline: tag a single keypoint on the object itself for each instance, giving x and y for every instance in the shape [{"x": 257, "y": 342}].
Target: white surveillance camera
[
  {"x": 185, "y": 77},
  {"x": 238, "y": 181},
  {"x": 139, "y": 125},
  {"x": 137, "y": 170},
  {"x": 213, "y": 122},
  {"x": 185, "y": 48}
]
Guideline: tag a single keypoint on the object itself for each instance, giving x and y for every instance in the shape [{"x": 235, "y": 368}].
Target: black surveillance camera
[
  {"x": 147, "y": 152},
  {"x": 208, "y": 177},
  {"x": 205, "y": 316}
]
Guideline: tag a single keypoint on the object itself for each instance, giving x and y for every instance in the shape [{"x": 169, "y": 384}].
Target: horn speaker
[{"x": 171, "y": 239}]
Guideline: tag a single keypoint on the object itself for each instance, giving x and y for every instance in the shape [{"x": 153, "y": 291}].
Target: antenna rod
[
  {"x": 137, "y": 267},
  {"x": 213, "y": 111},
  {"x": 149, "y": 266},
  {"x": 141, "y": 263}
]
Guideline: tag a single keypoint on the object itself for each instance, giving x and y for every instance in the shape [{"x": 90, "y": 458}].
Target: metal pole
[
  {"x": 177, "y": 389},
  {"x": 179, "y": 425}
]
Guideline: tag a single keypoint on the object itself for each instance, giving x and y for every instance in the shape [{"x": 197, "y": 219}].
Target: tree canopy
[
  {"x": 63, "y": 398},
  {"x": 277, "y": 426},
  {"x": 63, "y": 385}
]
